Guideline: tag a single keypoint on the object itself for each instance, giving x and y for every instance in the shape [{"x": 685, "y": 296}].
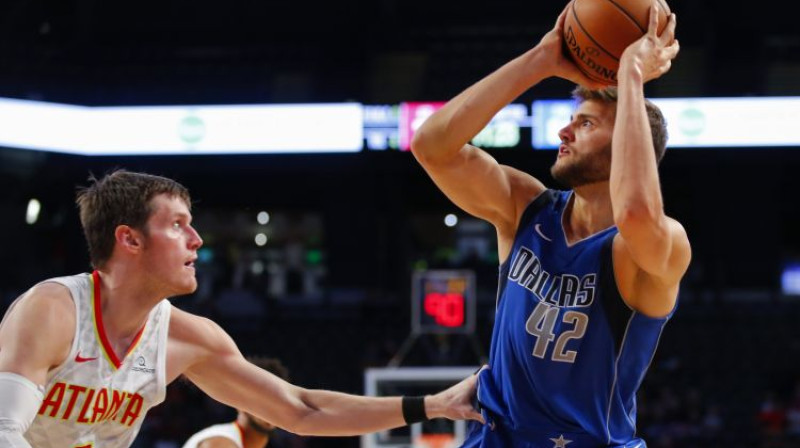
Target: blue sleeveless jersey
[{"x": 567, "y": 354}]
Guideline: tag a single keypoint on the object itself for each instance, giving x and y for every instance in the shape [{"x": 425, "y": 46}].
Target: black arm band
[{"x": 414, "y": 410}]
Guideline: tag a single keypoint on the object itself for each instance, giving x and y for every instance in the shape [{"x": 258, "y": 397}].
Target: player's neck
[
  {"x": 588, "y": 212},
  {"x": 251, "y": 438},
  {"x": 124, "y": 303}
]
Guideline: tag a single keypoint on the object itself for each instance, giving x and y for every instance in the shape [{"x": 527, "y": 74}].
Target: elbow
[
  {"x": 298, "y": 424},
  {"x": 420, "y": 146},
  {"x": 431, "y": 151},
  {"x": 429, "y": 148},
  {"x": 298, "y": 419}
]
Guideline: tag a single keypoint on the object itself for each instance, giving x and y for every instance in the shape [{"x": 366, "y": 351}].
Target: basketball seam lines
[
  {"x": 578, "y": 22},
  {"x": 628, "y": 15}
]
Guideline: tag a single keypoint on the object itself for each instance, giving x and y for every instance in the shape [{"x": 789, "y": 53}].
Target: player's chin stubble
[{"x": 578, "y": 171}]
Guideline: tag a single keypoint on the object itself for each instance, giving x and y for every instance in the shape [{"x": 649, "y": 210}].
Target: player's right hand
[{"x": 553, "y": 47}]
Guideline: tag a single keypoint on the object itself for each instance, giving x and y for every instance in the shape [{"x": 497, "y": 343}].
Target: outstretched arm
[
  {"x": 470, "y": 177},
  {"x": 219, "y": 369},
  {"x": 656, "y": 244}
]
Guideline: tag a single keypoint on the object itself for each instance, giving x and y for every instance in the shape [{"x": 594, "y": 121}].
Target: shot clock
[{"x": 443, "y": 302}]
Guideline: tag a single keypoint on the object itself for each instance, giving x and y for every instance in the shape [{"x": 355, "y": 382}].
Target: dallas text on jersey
[{"x": 565, "y": 290}]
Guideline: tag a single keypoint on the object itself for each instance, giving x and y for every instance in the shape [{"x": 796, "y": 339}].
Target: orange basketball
[{"x": 596, "y": 32}]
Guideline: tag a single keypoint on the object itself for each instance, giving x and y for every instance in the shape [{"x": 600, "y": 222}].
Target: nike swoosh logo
[
  {"x": 538, "y": 228},
  {"x": 79, "y": 358}
]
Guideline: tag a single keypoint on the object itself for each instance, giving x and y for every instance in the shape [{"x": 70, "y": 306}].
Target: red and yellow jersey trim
[
  {"x": 100, "y": 328},
  {"x": 241, "y": 432}
]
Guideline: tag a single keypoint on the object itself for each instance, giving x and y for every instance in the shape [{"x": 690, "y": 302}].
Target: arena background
[{"x": 329, "y": 293}]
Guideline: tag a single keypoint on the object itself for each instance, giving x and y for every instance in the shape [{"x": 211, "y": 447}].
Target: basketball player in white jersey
[
  {"x": 246, "y": 431},
  {"x": 83, "y": 358}
]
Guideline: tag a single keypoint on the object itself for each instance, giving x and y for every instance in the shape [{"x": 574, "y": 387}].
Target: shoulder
[
  {"x": 53, "y": 292},
  {"x": 193, "y": 339},
  {"x": 538, "y": 202},
  {"x": 680, "y": 252},
  {"x": 45, "y": 306},
  {"x": 526, "y": 183},
  {"x": 678, "y": 233},
  {"x": 525, "y": 188},
  {"x": 197, "y": 330},
  {"x": 649, "y": 294},
  {"x": 677, "y": 262}
]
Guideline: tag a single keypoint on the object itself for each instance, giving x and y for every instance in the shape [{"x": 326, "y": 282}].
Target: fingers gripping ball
[{"x": 596, "y": 32}]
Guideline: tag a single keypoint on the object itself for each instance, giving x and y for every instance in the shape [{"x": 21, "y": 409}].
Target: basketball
[{"x": 596, "y": 32}]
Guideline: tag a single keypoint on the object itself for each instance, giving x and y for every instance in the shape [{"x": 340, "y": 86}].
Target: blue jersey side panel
[{"x": 567, "y": 354}]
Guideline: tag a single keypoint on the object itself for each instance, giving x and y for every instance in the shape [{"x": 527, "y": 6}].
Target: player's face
[
  {"x": 170, "y": 246},
  {"x": 584, "y": 156}
]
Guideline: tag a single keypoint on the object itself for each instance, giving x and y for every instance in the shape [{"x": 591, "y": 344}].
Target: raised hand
[{"x": 651, "y": 56}]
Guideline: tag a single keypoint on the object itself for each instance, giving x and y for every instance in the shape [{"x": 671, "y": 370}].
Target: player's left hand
[
  {"x": 455, "y": 403},
  {"x": 651, "y": 56}
]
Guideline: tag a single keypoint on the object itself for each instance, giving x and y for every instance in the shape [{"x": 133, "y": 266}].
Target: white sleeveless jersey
[
  {"x": 94, "y": 399},
  {"x": 230, "y": 431}
]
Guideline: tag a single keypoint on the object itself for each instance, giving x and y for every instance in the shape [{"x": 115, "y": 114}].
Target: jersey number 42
[{"x": 542, "y": 323}]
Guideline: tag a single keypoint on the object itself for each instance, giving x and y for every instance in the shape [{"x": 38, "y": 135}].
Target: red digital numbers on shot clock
[
  {"x": 443, "y": 301},
  {"x": 446, "y": 308}
]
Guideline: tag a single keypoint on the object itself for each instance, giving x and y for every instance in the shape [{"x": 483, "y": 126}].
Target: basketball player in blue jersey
[{"x": 588, "y": 277}]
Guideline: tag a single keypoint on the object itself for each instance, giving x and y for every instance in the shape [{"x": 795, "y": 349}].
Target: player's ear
[{"x": 129, "y": 239}]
